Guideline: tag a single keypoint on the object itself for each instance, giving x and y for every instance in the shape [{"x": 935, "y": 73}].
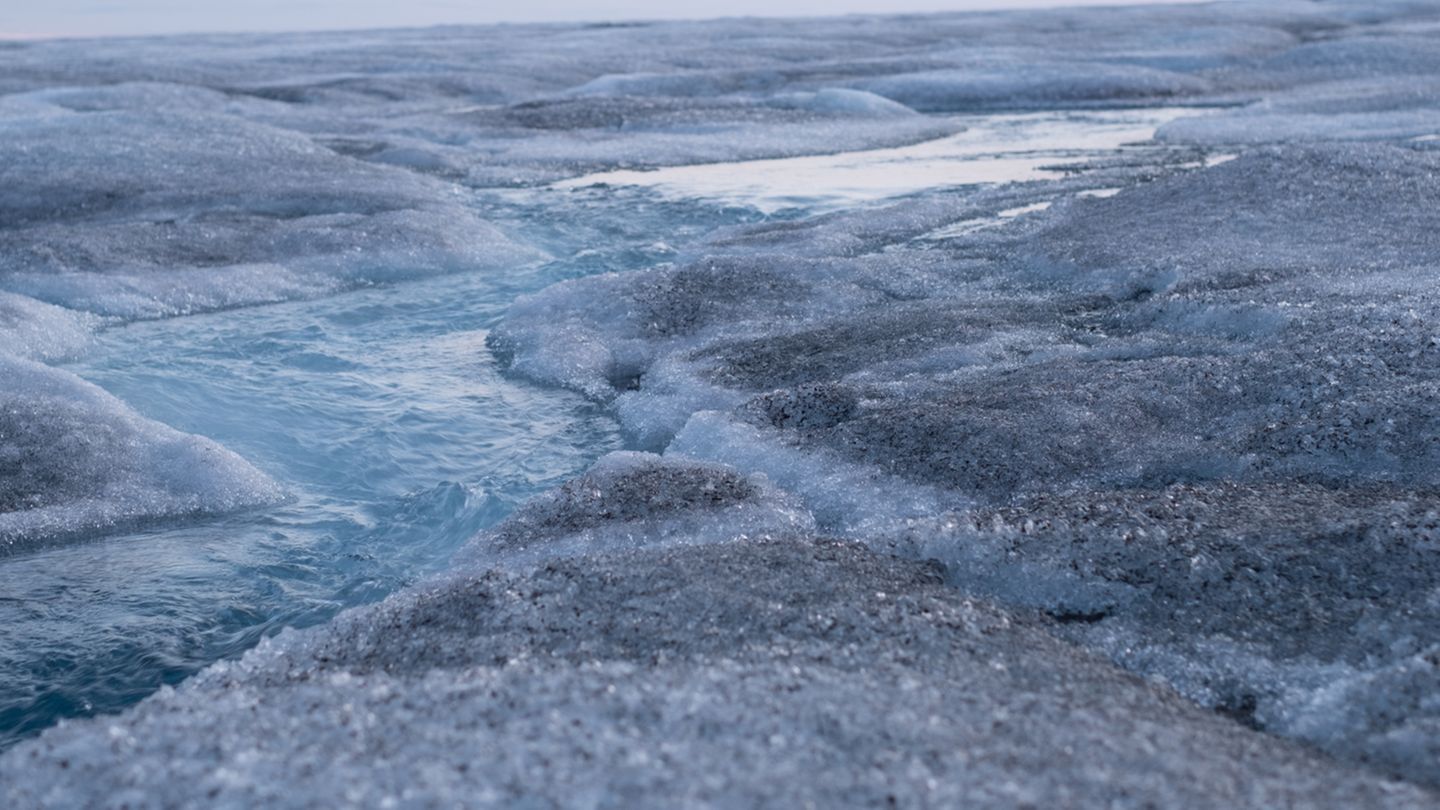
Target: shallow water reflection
[{"x": 992, "y": 149}]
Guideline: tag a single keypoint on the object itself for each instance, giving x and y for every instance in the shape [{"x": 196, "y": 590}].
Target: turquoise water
[{"x": 380, "y": 410}]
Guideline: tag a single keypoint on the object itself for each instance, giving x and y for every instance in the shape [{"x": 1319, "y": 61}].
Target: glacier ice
[
  {"x": 1351, "y": 109},
  {"x": 75, "y": 460},
  {"x": 988, "y": 86},
  {"x": 630, "y": 500},
  {"x": 213, "y": 211},
  {"x": 1168, "y": 406},
  {"x": 1192, "y": 421},
  {"x": 769, "y": 670},
  {"x": 38, "y": 331}
]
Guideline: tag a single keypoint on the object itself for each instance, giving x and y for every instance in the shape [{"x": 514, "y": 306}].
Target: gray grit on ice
[
  {"x": 773, "y": 671},
  {"x": 75, "y": 460},
  {"x": 1174, "y": 411}
]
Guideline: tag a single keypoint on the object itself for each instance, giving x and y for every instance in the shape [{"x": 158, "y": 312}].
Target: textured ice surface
[
  {"x": 992, "y": 149},
  {"x": 1390, "y": 108},
  {"x": 1298, "y": 608},
  {"x": 764, "y": 671},
  {"x": 1172, "y": 402},
  {"x": 149, "y": 213},
  {"x": 631, "y": 500},
  {"x": 1192, "y": 420},
  {"x": 74, "y": 459},
  {"x": 1029, "y": 85}
]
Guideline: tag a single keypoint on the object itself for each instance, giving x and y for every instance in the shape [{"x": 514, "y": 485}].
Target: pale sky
[{"x": 42, "y": 18}]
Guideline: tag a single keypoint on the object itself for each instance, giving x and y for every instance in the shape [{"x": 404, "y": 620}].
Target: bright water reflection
[{"x": 992, "y": 149}]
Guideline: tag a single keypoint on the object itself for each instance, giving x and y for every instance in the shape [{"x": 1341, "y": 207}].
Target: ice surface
[
  {"x": 1030, "y": 85},
  {"x": 1268, "y": 216},
  {"x": 991, "y": 149},
  {"x": 759, "y": 672},
  {"x": 150, "y": 213},
  {"x": 1160, "y": 405},
  {"x": 536, "y": 103},
  {"x": 76, "y": 460},
  {"x": 1327, "y": 594},
  {"x": 40, "y": 331},
  {"x": 1392, "y": 108},
  {"x": 1191, "y": 419}
]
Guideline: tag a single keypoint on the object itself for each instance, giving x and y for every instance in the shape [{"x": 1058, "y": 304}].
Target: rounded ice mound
[
  {"x": 132, "y": 96},
  {"x": 62, "y": 168},
  {"x": 39, "y": 331},
  {"x": 1355, "y": 57},
  {"x": 1367, "y": 109},
  {"x": 596, "y": 335},
  {"x": 565, "y": 335},
  {"x": 682, "y": 84},
  {"x": 779, "y": 673},
  {"x": 75, "y": 460},
  {"x": 138, "y": 213},
  {"x": 1277, "y": 213},
  {"x": 636, "y": 500},
  {"x": 1029, "y": 85},
  {"x": 845, "y": 101}
]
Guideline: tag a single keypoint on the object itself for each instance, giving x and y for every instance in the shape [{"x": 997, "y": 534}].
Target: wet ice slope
[
  {"x": 396, "y": 439},
  {"x": 1192, "y": 420},
  {"x": 1166, "y": 406}
]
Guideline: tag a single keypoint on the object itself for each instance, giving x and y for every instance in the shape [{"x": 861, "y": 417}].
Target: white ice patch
[
  {"x": 843, "y": 101},
  {"x": 39, "y": 331}
]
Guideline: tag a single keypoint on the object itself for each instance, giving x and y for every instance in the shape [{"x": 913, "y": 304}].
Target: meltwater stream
[
  {"x": 383, "y": 417},
  {"x": 382, "y": 414},
  {"x": 387, "y": 420}
]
